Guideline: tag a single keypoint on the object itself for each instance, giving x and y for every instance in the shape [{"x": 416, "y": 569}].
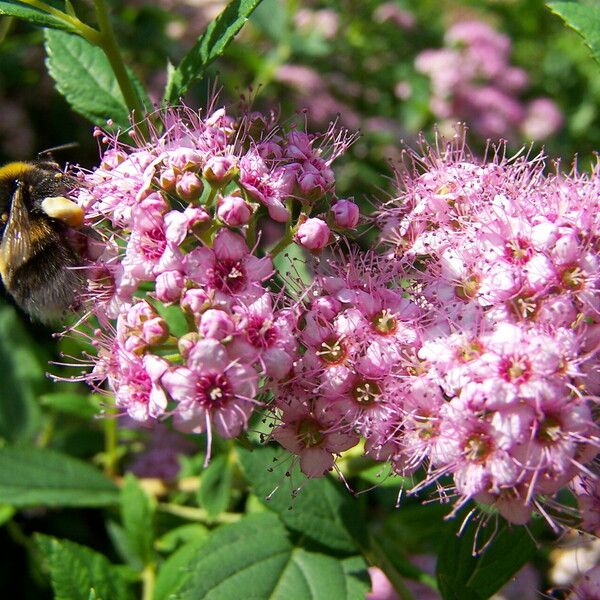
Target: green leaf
[
  {"x": 215, "y": 486},
  {"x": 35, "y": 16},
  {"x": 85, "y": 78},
  {"x": 85, "y": 406},
  {"x": 22, "y": 379},
  {"x": 32, "y": 476},
  {"x": 79, "y": 573},
  {"x": 137, "y": 512},
  {"x": 462, "y": 575},
  {"x": 176, "y": 568},
  {"x": 584, "y": 19},
  {"x": 209, "y": 46},
  {"x": 322, "y": 510},
  {"x": 255, "y": 559},
  {"x": 180, "y": 535}
]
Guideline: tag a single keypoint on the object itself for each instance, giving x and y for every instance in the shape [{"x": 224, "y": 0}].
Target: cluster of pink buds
[
  {"x": 472, "y": 80},
  {"x": 182, "y": 311}
]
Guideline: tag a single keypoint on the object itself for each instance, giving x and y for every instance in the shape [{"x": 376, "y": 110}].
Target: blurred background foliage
[{"x": 346, "y": 59}]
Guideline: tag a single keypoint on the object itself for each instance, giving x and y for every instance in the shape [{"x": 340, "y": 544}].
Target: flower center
[
  {"x": 515, "y": 368},
  {"x": 309, "y": 433},
  {"x": 573, "y": 278},
  {"x": 470, "y": 351},
  {"x": 477, "y": 447},
  {"x": 518, "y": 251},
  {"x": 332, "y": 351},
  {"x": 384, "y": 322},
  {"x": 549, "y": 430},
  {"x": 467, "y": 290},
  {"x": 153, "y": 244},
  {"x": 524, "y": 307},
  {"x": 366, "y": 392},
  {"x": 229, "y": 276},
  {"x": 260, "y": 332},
  {"x": 213, "y": 391}
]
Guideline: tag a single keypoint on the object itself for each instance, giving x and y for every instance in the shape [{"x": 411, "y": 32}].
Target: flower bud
[
  {"x": 186, "y": 343},
  {"x": 194, "y": 301},
  {"x": 313, "y": 234},
  {"x": 169, "y": 285},
  {"x": 155, "y": 331},
  {"x": 233, "y": 210},
  {"x": 167, "y": 180},
  {"x": 216, "y": 324},
  {"x": 220, "y": 170},
  {"x": 345, "y": 214},
  {"x": 189, "y": 187}
]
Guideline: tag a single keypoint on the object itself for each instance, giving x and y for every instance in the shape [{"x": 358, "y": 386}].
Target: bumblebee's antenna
[{"x": 66, "y": 146}]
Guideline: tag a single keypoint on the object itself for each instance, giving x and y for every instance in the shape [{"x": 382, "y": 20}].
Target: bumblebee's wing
[{"x": 15, "y": 248}]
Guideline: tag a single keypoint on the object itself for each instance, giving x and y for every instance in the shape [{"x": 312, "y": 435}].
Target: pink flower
[
  {"x": 211, "y": 391},
  {"x": 233, "y": 210}
]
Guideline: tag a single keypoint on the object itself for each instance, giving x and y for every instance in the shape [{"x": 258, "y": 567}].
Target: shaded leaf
[
  {"x": 79, "y": 573},
  {"x": 462, "y": 575},
  {"x": 32, "y": 476},
  {"x": 22, "y": 379},
  {"x": 322, "y": 510},
  {"x": 215, "y": 485},
  {"x": 137, "y": 512}
]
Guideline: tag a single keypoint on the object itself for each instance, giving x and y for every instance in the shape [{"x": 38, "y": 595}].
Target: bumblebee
[{"x": 38, "y": 259}]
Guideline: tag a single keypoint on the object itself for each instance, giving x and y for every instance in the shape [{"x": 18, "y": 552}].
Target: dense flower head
[
  {"x": 472, "y": 80},
  {"x": 179, "y": 281},
  {"x": 502, "y": 259}
]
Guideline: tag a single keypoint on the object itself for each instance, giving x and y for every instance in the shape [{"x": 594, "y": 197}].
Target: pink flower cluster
[
  {"x": 503, "y": 260},
  {"x": 466, "y": 354},
  {"x": 184, "y": 319},
  {"x": 472, "y": 80}
]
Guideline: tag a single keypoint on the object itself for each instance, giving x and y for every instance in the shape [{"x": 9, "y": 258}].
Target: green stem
[
  {"x": 5, "y": 27},
  {"x": 197, "y": 514},
  {"x": 148, "y": 581},
  {"x": 85, "y": 31},
  {"x": 108, "y": 43}
]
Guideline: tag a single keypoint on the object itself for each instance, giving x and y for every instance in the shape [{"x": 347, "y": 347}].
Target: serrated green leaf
[
  {"x": 215, "y": 486},
  {"x": 254, "y": 558},
  {"x": 85, "y": 406},
  {"x": 483, "y": 575},
  {"x": 79, "y": 573},
  {"x": 584, "y": 19},
  {"x": 322, "y": 510},
  {"x": 85, "y": 78},
  {"x": 32, "y": 476},
  {"x": 32, "y": 15},
  {"x": 22, "y": 379},
  {"x": 209, "y": 46},
  {"x": 137, "y": 512}
]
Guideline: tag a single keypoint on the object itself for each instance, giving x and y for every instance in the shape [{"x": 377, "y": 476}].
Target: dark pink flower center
[
  {"x": 549, "y": 430},
  {"x": 153, "y": 244},
  {"x": 516, "y": 369},
  {"x": 228, "y": 276},
  {"x": 518, "y": 251},
  {"x": 213, "y": 391},
  {"x": 260, "y": 332},
  {"x": 139, "y": 387}
]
